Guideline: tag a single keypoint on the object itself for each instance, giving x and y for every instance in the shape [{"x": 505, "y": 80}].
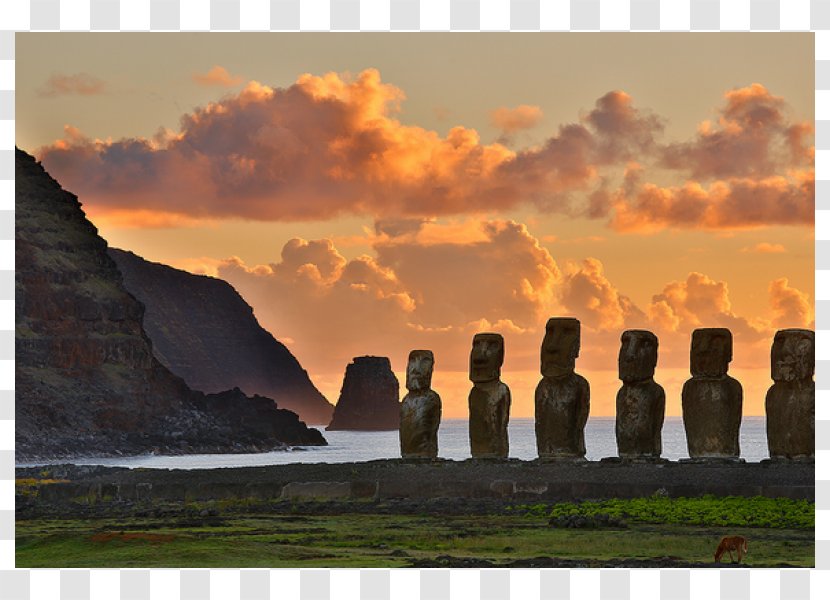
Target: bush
[{"x": 721, "y": 511}]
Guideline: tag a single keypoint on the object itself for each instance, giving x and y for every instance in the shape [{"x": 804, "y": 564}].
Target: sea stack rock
[
  {"x": 641, "y": 402},
  {"x": 562, "y": 396},
  {"x": 369, "y": 397},
  {"x": 420, "y": 409},
  {"x": 712, "y": 400},
  {"x": 489, "y": 400},
  {"x": 791, "y": 401}
]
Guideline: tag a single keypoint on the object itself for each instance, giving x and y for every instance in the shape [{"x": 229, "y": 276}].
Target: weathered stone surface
[
  {"x": 489, "y": 400},
  {"x": 420, "y": 409},
  {"x": 87, "y": 382},
  {"x": 712, "y": 400},
  {"x": 203, "y": 331},
  {"x": 791, "y": 401},
  {"x": 562, "y": 396},
  {"x": 641, "y": 402},
  {"x": 369, "y": 397}
]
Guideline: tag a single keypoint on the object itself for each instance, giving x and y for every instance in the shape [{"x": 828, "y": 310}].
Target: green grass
[
  {"x": 353, "y": 540},
  {"x": 729, "y": 511}
]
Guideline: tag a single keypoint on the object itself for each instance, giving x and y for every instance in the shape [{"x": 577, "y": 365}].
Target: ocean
[{"x": 453, "y": 443}]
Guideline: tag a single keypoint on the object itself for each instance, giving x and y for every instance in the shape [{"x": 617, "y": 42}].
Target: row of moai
[{"x": 712, "y": 401}]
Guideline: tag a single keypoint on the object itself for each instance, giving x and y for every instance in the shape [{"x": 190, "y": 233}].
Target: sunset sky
[{"x": 378, "y": 193}]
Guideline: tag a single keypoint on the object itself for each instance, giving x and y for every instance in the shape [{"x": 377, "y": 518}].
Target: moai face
[
  {"x": 711, "y": 352},
  {"x": 560, "y": 346},
  {"x": 486, "y": 357},
  {"x": 419, "y": 370},
  {"x": 793, "y": 355},
  {"x": 638, "y": 355}
]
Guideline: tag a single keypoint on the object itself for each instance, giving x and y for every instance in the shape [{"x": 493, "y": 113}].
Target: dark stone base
[
  {"x": 783, "y": 460},
  {"x": 713, "y": 460},
  {"x": 635, "y": 460},
  {"x": 562, "y": 459}
]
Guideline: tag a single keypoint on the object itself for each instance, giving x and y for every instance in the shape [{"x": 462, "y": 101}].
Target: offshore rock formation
[
  {"x": 712, "y": 400},
  {"x": 205, "y": 333},
  {"x": 489, "y": 400},
  {"x": 369, "y": 397},
  {"x": 86, "y": 378},
  {"x": 641, "y": 402},
  {"x": 791, "y": 401},
  {"x": 420, "y": 409},
  {"x": 562, "y": 396}
]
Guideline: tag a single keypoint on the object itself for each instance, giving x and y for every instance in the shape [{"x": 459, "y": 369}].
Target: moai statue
[
  {"x": 562, "y": 397},
  {"x": 712, "y": 400},
  {"x": 489, "y": 399},
  {"x": 641, "y": 402},
  {"x": 791, "y": 401},
  {"x": 420, "y": 409}
]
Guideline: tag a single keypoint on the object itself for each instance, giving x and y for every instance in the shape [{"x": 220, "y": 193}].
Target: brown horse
[{"x": 730, "y": 543}]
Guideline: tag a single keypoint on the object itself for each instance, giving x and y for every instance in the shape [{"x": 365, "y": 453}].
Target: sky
[{"x": 378, "y": 193}]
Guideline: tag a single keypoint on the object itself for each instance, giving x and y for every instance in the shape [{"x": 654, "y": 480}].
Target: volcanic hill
[
  {"x": 204, "y": 331},
  {"x": 87, "y": 382}
]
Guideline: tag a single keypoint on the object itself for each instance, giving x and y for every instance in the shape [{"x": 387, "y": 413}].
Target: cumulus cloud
[
  {"x": 791, "y": 307},
  {"x": 331, "y": 145},
  {"x": 437, "y": 294},
  {"x": 588, "y": 293},
  {"x": 730, "y": 204},
  {"x": 81, "y": 84},
  {"x": 699, "y": 301},
  {"x": 511, "y": 120},
  {"x": 753, "y": 136},
  {"x": 217, "y": 76}
]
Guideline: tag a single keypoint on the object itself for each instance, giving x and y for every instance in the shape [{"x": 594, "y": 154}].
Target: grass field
[{"x": 375, "y": 540}]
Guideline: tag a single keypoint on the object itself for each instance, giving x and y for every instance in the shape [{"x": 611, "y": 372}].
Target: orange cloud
[
  {"x": 724, "y": 204},
  {"x": 791, "y": 307},
  {"x": 332, "y": 145},
  {"x": 217, "y": 76},
  {"x": 82, "y": 84},
  {"x": 511, "y": 120},
  {"x": 753, "y": 137},
  {"x": 588, "y": 293}
]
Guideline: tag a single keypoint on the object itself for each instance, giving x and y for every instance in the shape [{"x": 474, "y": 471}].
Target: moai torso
[
  {"x": 562, "y": 396},
  {"x": 420, "y": 409},
  {"x": 712, "y": 400},
  {"x": 489, "y": 400},
  {"x": 641, "y": 402},
  {"x": 791, "y": 401}
]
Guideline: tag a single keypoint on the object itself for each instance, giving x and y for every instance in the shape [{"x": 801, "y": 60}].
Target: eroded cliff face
[
  {"x": 203, "y": 331},
  {"x": 369, "y": 397},
  {"x": 86, "y": 378}
]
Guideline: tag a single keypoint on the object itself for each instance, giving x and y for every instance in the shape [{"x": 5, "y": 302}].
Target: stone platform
[{"x": 509, "y": 480}]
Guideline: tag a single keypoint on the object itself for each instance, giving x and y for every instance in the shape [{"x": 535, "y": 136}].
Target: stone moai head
[
  {"x": 793, "y": 355},
  {"x": 486, "y": 357},
  {"x": 638, "y": 355},
  {"x": 711, "y": 352},
  {"x": 419, "y": 370},
  {"x": 560, "y": 346}
]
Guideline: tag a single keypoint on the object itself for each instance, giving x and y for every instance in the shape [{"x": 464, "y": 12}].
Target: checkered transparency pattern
[{"x": 413, "y": 15}]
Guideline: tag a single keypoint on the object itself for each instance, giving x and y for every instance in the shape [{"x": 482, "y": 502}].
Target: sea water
[{"x": 453, "y": 443}]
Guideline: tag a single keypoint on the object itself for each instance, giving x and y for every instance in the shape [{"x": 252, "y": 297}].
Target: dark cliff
[
  {"x": 204, "y": 332},
  {"x": 86, "y": 378},
  {"x": 369, "y": 397}
]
